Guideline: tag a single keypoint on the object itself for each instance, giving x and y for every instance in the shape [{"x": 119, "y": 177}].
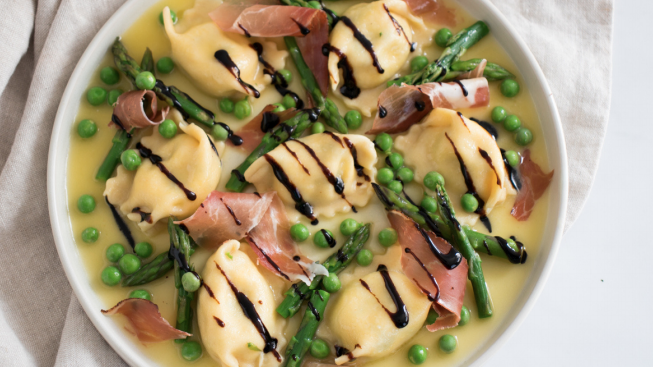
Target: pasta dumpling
[
  {"x": 360, "y": 319},
  {"x": 429, "y": 146},
  {"x": 226, "y": 332},
  {"x": 149, "y": 194},
  {"x": 194, "y": 51},
  {"x": 331, "y": 172}
]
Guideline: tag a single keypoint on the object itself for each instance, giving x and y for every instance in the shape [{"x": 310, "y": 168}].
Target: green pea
[
  {"x": 353, "y": 119},
  {"x": 319, "y": 349},
  {"x": 509, "y": 88},
  {"x": 109, "y": 75},
  {"x": 320, "y": 240},
  {"x": 384, "y": 142},
  {"x": 433, "y": 179},
  {"x": 86, "y": 128},
  {"x": 219, "y": 132},
  {"x": 448, "y": 343},
  {"x": 173, "y": 16},
  {"x": 513, "y": 158},
  {"x": 190, "y": 282},
  {"x": 140, "y": 293},
  {"x": 442, "y": 37},
  {"x": 226, "y": 105},
  {"x": 168, "y": 129},
  {"x": 165, "y": 65},
  {"x": 469, "y": 203},
  {"x": 387, "y": 237},
  {"x": 115, "y": 252},
  {"x": 349, "y": 226},
  {"x": 464, "y": 316},
  {"x": 432, "y": 317},
  {"x": 145, "y": 80},
  {"x": 314, "y": 5},
  {"x": 331, "y": 283},
  {"x": 278, "y": 107},
  {"x": 113, "y": 95},
  {"x": 129, "y": 264},
  {"x": 130, "y": 159},
  {"x": 96, "y": 96},
  {"x": 242, "y": 109},
  {"x": 317, "y": 128},
  {"x": 512, "y": 123},
  {"x": 395, "y": 161},
  {"x": 286, "y": 74},
  {"x": 90, "y": 235},
  {"x": 523, "y": 136},
  {"x": 191, "y": 350},
  {"x": 405, "y": 175},
  {"x": 299, "y": 232},
  {"x": 384, "y": 176},
  {"x": 396, "y": 186},
  {"x": 418, "y": 63},
  {"x": 499, "y": 114},
  {"x": 364, "y": 257},
  {"x": 86, "y": 204},
  {"x": 417, "y": 354},
  {"x": 288, "y": 101},
  {"x": 110, "y": 276},
  {"x": 429, "y": 204},
  {"x": 143, "y": 249}
]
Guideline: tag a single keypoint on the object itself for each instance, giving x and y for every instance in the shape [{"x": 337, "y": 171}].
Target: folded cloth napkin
[{"x": 41, "y": 321}]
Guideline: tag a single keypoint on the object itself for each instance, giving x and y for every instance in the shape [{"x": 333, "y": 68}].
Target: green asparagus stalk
[
  {"x": 181, "y": 241},
  {"x": 475, "y": 273},
  {"x": 301, "y": 342},
  {"x": 492, "y": 71},
  {"x": 147, "y": 62},
  {"x": 120, "y": 142},
  {"x": 292, "y": 127},
  {"x": 334, "y": 264},
  {"x": 457, "y": 46},
  {"x": 149, "y": 272},
  {"x": 328, "y": 109}
]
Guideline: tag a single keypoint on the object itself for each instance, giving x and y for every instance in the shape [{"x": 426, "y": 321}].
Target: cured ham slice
[
  {"x": 534, "y": 183},
  {"x": 446, "y": 287},
  {"x": 252, "y": 132},
  {"x": 145, "y": 320},
  {"x": 277, "y": 251},
  {"x": 138, "y": 108},
  {"x": 402, "y": 106},
  {"x": 309, "y": 25},
  {"x": 432, "y": 11},
  {"x": 226, "y": 216}
]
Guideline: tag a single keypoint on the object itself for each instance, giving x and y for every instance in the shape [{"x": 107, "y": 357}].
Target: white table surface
[{"x": 595, "y": 307}]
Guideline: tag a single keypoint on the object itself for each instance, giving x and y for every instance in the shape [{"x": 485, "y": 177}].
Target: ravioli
[
  {"x": 225, "y": 330},
  {"x": 194, "y": 52},
  {"x": 319, "y": 166},
  {"x": 362, "y": 325},
  {"x": 147, "y": 195},
  {"x": 429, "y": 146},
  {"x": 388, "y": 25}
]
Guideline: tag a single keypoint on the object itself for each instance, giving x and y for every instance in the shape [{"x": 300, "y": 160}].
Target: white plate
[{"x": 132, "y": 10}]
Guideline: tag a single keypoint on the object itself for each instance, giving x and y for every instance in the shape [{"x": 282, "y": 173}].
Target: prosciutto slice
[
  {"x": 405, "y": 105},
  {"x": 145, "y": 320},
  {"x": 419, "y": 263},
  {"x": 534, "y": 183},
  {"x": 252, "y": 132},
  {"x": 309, "y": 25},
  {"x": 138, "y": 108},
  {"x": 432, "y": 11}
]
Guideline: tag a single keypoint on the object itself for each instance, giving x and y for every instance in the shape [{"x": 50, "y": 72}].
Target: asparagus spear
[
  {"x": 293, "y": 127},
  {"x": 147, "y": 62},
  {"x": 328, "y": 109},
  {"x": 492, "y": 71},
  {"x": 435, "y": 71},
  {"x": 475, "y": 273},
  {"x": 181, "y": 242},
  {"x": 151, "y": 271},
  {"x": 299, "y": 344},
  {"x": 120, "y": 142},
  {"x": 334, "y": 264}
]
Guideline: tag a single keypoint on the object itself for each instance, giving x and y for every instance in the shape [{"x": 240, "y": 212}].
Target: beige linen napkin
[{"x": 41, "y": 321}]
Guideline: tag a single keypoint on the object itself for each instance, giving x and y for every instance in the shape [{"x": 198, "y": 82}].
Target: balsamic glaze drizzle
[
  {"x": 465, "y": 93},
  {"x": 223, "y": 57},
  {"x": 488, "y": 127},
  {"x": 382, "y": 112},
  {"x": 399, "y": 317},
  {"x": 400, "y": 29},
  {"x": 336, "y": 182},
  {"x": 244, "y": 30},
  {"x": 213, "y": 147},
  {"x": 515, "y": 178},
  {"x": 302, "y": 28},
  {"x": 488, "y": 159},
  {"x": 420, "y": 105},
  {"x": 122, "y": 226},
  {"x": 145, "y": 216},
  {"x": 314, "y": 311},
  {"x": 515, "y": 257},
  {"x": 450, "y": 260},
  {"x": 235, "y": 139},
  {"x": 220, "y": 322},
  {"x": 364, "y": 42},
  {"x": 268, "y": 258},
  {"x": 231, "y": 211},
  {"x": 327, "y": 236},
  {"x": 269, "y": 121},
  {"x": 156, "y": 160},
  {"x": 431, "y": 297},
  {"x": 238, "y": 175},
  {"x": 359, "y": 169},
  {"x": 302, "y": 206},
  {"x": 349, "y": 88},
  {"x": 292, "y": 152},
  {"x": 117, "y": 121},
  {"x": 279, "y": 82}
]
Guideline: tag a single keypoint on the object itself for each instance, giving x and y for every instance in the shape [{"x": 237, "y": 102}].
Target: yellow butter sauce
[{"x": 505, "y": 280}]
